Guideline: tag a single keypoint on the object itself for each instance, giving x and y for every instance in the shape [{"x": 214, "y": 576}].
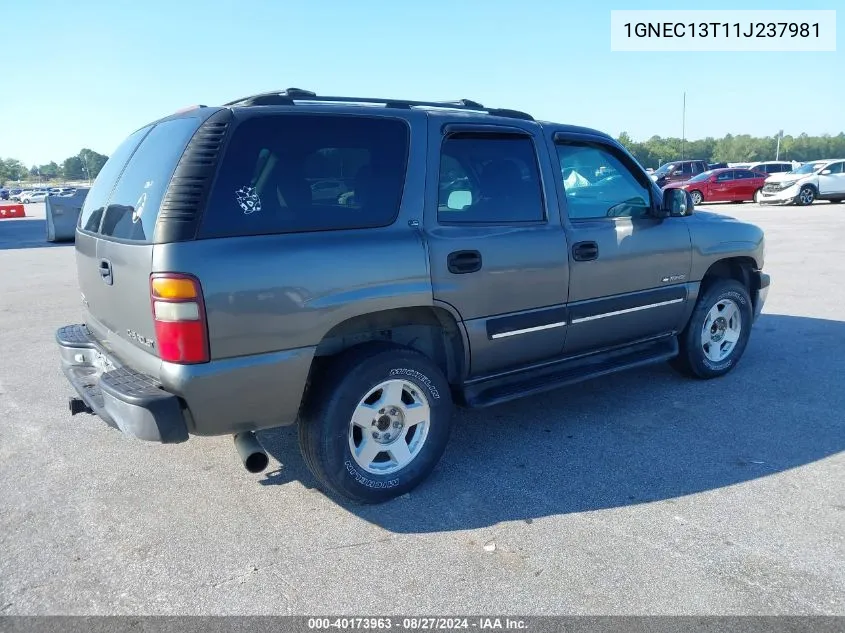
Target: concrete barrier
[{"x": 63, "y": 215}]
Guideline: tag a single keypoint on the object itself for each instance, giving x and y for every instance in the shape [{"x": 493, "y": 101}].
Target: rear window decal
[
  {"x": 248, "y": 200},
  {"x": 139, "y": 208}
]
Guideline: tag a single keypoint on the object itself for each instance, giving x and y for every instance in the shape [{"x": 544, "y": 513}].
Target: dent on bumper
[{"x": 779, "y": 197}]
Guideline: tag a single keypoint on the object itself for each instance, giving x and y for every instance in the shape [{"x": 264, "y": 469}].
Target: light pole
[
  {"x": 85, "y": 167},
  {"x": 777, "y": 151},
  {"x": 684, "y": 127}
]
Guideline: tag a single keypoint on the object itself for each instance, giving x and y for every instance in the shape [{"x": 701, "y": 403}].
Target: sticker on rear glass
[
  {"x": 248, "y": 200},
  {"x": 139, "y": 208}
]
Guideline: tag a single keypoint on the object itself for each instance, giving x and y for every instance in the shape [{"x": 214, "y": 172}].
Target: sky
[{"x": 87, "y": 73}]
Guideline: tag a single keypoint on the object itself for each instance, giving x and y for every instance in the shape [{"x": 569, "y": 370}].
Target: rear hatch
[{"x": 114, "y": 243}]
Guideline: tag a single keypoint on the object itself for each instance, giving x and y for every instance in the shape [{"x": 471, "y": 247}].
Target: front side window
[
  {"x": 489, "y": 179},
  {"x": 835, "y": 168},
  {"x": 287, "y": 173},
  {"x": 621, "y": 194}
]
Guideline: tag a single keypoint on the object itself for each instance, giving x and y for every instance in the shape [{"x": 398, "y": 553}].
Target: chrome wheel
[
  {"x": 389, "y": 427},
  {"x": 696, "y": 197},
  {"x": 721, "y": 330},
  {"x": 806, "y": 196}
]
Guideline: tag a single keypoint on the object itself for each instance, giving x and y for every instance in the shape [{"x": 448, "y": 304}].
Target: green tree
[
  {"x": 73, "y": 169},
  {"x": 12, "y": 169},
  {"x": 92, "y": 161}
]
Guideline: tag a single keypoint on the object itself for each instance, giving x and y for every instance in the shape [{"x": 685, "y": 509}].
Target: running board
[{"x": 497, "y": 390}]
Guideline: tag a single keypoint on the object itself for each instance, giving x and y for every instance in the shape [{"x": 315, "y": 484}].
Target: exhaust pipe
[{"x": 252, "y": 455}]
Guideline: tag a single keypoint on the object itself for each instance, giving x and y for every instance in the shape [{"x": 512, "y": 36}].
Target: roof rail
[{"x": 291, "y": 95}]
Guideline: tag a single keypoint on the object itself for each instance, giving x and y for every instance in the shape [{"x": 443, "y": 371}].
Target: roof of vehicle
[
  {"x": 721, "y": 169},
  {"x": 296, "y": 97}
]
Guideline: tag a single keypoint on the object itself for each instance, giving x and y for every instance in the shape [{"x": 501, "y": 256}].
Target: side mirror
[
  {"x": 677, "y": 203},
  {"x": 825, "y": 172},
  {"x": 459, "y": 199}
]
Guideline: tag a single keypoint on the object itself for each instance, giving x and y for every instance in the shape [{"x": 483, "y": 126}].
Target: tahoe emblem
[{"x": 143, "y": 340}]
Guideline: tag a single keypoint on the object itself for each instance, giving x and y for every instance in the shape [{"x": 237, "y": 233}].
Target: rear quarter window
[{"x": 308, "y": 172}]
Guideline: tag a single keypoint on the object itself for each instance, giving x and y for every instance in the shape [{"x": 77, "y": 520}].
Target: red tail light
[{"x": 179, "y": 316}]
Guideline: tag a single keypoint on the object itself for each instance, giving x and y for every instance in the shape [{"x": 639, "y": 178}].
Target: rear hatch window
[
  {"x": 285, "y": 173},
  {"x": 125, "y": 199}
]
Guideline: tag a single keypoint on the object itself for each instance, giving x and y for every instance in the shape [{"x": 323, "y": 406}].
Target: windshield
[
  {"x": 809, "y": 168},
  {"x": 702, "y": 176},
  {"x": 664, "y": 169}
]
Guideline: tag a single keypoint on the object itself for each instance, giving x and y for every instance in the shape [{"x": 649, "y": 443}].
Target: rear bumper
[{"x": 123, "y": 398}]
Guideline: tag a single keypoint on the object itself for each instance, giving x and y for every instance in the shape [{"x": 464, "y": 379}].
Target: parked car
[
  {"x": 15, "y": 195},
  {"x": 772, "y": 167},
  {"x": 678, "y": 171},
  {"x": 220, "y": 298},
  {"x": 717, "y": 165},
  {"x": 4, "y": 194},
  {"x": 724, "y": 185},
  {"x": 33, "y": 196},
  {"x": 819, "y": 180}
]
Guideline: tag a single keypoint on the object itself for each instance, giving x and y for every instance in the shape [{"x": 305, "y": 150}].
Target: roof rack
[{"x": 290, "y": 96}]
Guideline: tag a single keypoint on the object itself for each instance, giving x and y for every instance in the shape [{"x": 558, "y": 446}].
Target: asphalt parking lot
[{"x": 643, "y": 493}]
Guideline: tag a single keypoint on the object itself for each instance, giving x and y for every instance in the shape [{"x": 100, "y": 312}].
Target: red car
[{"x": 723, "y": 185}]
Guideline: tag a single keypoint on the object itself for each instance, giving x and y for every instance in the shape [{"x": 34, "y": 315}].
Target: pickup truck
[
  {"x": 472, "y": 256},
  {"x": 679, "y": 171}
]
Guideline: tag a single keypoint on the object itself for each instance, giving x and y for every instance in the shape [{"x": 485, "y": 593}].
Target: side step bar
[{"x": 500, "y": 389}]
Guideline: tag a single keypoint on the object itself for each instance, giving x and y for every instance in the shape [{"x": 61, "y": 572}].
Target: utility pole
[
  {"x": 777, "y": 151},
  {"x": 684, "y": 127}
]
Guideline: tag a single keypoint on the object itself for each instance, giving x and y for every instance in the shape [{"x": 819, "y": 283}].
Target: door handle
[
  {"x": 105, "y": 271},
  {"x": 585, "y": 251},
  {"x": 461, "y": 262}
]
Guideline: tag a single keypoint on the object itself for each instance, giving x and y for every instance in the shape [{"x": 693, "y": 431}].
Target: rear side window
[
  {"x": 308, "y": 172},
  {"x": 489, "y": 179},
  {"x": 133, "y": 206}
]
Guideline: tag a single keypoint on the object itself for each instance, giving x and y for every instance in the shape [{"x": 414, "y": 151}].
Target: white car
[
  {"x": 34, "y": 196},
  {"x": 817, "y": 180},
  {"x": 771, "y": 167}
]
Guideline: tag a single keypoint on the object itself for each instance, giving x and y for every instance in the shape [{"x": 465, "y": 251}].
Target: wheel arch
[
  {"x": 431, "y": 330},
  {"x": 737, "y": 268}
]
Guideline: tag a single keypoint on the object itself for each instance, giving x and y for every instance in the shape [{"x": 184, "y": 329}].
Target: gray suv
[{"x": 466, "y": 256}]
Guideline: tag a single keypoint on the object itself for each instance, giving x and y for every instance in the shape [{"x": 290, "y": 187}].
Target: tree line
[
  {"x": 742, "y": 148},
  {"x": 84, "y": 166}
]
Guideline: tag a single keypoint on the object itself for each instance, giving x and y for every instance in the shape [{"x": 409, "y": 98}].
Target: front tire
[
  {"x": 806, "y": 196},
  {"x": 697, "y": 197},
  {"x": 717, "y": 333},
  {"x": 757, "y": 195},
  {"x": 376, "y": 422}
]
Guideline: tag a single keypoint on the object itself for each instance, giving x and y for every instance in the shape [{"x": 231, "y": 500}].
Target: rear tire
[
  {"x": 697, "y": 197},
  {"x": 715, "y": 338},
  {"x": 376, "y": 422}
]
